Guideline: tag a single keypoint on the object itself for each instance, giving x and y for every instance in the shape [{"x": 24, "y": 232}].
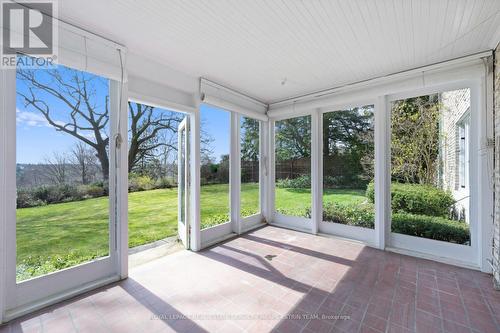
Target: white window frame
[
  {"x": 365, "y": 235},
  {"x": 463, "y": 255},
  {"x": 218, "y": 233},
  {"x": 247, "y": 223},
  {"x": 29, "y": 295},
  {"x": 431, "y": 79},
  {"x": 237, "y": 224},
  {"x": 299, "y": 223}
]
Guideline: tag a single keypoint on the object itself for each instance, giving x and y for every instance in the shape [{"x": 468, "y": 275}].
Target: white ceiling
[{"x": 253, "y": 46}]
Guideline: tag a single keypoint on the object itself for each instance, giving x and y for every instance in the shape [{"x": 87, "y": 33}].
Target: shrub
[
  {"x": 299, "y": 182},
  {"x": 26, "y": 199},
  {"x": 432, "y": 227},
  {"x": 43, "y": 195},
  {"x": 328, "y": 181},
  {"x": 91, "y": 191},
  {"x": 61, "y": 193},
  {"x": 140, "y": 183},
  {"x": 164, "y": 182},
  {"x": 103, "y": 184},
  {"x": 417, "y": 199},
  {"x": 370, "y": 192},
  {"x": 361, "y": 215},
  {"x": 40, "y": 193},
  {"x": 341, "y": 181}
]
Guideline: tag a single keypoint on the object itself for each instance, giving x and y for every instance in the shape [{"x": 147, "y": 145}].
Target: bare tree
[
  {"x": 153, "y": 134},
  {"x": 146, "y": 125},
  {"x": 69, "y": 101},
  {"x": 73, "y": 102},
  {"x": 57, "y": 168},
  {"x": 85, "y": 160},
  {"x": 76, "y": 111}
]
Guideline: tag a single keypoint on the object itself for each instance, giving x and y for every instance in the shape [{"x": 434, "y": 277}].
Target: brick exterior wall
[
  {"x": 455, "y": 108},
  {"x": 496, "y": 227}
]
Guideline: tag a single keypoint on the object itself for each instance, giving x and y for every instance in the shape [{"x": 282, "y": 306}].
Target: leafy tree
[
  {"x": 293, "y": 138},
  {"x": 348, "y": 144},
  {"x": 415, "y": 139},
  {"x": 249, "y": 139}
]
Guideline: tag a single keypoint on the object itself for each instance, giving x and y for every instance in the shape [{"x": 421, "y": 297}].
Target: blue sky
[
  {"x": 38, "y": 140},
  {"x": 216, "y": 123}
]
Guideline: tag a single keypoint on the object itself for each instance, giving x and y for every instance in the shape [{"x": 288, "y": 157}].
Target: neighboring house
[{"x": 454, "y": 148}]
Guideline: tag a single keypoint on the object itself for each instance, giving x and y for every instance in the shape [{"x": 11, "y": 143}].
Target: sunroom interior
[{"x": 331, "y": 167}]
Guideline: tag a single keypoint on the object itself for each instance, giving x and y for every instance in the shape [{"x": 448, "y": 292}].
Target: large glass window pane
[
  {"x": 215, "y": 149},
  {"x": 250, "y": 196},
  {"x": 293, "y": 166},
  {"x": 429, "y": 166},
  {"x": 348, "y": 167},
  {"x": 62, "y": 169},
  {"x": 152, "y": 206}
]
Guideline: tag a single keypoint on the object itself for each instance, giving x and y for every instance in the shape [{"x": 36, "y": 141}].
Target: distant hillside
[{"x": 29, "y": 175}]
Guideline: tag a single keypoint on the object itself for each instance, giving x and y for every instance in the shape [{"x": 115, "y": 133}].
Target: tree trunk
[
  {"x": 132, "y": 154},
  {"x": 102, "y": 155},
  {"x": 84, "y": 174}
]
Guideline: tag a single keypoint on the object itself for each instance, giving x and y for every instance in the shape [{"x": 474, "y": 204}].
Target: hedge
[
  {"x": 362, "y": 215},
  {"x": 432, "y": 227},
  {"x": 137, "y": 183},
  {"x": 304, "y": 181},
  {"x": 299, "y": 182},
  {"x": 51, "y": 194},
  {"x": 417, "y": 199},
  {"x": 44, "y": 195}
]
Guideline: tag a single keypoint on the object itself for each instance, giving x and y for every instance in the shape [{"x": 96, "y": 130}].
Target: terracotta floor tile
[
  {"x": 375, "y": 322},
  {"x": 310, "y": 280},
  {"x": 426, "y": 322}
]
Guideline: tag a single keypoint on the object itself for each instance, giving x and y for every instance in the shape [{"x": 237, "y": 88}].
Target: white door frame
[
  {"x": 183, "y": 226},
  {"x": 194, "y": 156},
  {"x": 32, "y": 294}
]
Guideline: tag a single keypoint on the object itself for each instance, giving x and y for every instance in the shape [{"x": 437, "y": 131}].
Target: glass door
[
  {"x": 183, "y": 182},
  {"x": 65, "y": 184}
]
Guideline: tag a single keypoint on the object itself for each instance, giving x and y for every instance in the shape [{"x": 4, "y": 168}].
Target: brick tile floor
[{"x": 277, "y": 280}]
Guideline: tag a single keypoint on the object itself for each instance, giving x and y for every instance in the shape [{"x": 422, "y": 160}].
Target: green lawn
[
  {"x": 291, "y": 201},
  {"x": 56, "y": 236}
]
